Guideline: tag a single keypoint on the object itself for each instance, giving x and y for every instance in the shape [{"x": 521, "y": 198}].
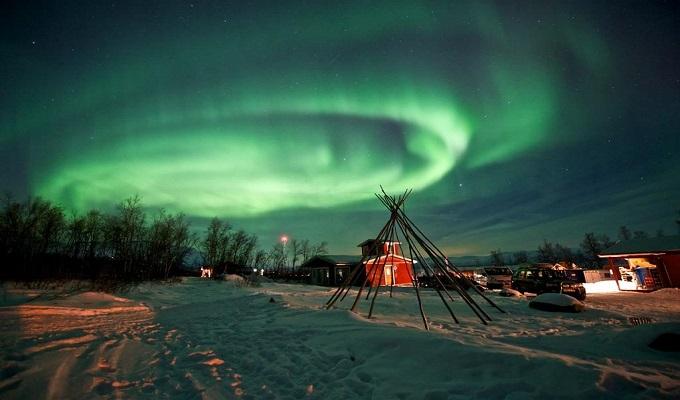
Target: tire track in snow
[
  {"x": 244, "y": 351},
  {"x": 64, "y": 345}
]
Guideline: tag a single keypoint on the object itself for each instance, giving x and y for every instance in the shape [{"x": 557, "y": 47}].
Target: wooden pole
[
  {"x": 410, "y": 223},
  {"x": 430, "y": 274}
]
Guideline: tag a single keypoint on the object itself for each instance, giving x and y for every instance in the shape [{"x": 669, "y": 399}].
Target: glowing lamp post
[{"x": 284, "y": 241}]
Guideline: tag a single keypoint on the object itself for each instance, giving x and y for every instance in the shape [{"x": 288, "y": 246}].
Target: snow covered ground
[{"x": 206, "y": 339}]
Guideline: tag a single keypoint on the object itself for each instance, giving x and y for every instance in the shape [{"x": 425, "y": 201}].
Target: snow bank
[
  {"x": 237, "y": 279},
  {"x": 556, "y": 302},
  {"x": 507, "y": 292}
]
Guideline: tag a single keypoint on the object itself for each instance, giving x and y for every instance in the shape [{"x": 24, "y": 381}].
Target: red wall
[
  {"x": 403, "y": 271},
  {"x": 672, "y": 264}
]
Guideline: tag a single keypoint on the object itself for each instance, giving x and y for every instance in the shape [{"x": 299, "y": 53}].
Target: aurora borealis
[{"x": 513, "y": 121}]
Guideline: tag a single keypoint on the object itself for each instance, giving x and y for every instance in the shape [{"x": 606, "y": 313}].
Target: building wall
[
  {"x": 320, "y": 276},
  {"x": 378, "y": 268},
  {"x": 323, "y": 274},
  {"x": 671, "y": 264}
]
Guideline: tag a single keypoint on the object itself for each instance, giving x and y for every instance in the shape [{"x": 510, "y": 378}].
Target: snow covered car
[
  {"x": 497, "y": 277},
  {"x": 545, "y": 280}
]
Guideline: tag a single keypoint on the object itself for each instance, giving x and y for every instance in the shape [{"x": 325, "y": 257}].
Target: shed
[{"x": 645, "y": 263}]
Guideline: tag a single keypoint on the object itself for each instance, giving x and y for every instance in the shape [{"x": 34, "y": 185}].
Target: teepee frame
[{"x": 433, "y": 262}]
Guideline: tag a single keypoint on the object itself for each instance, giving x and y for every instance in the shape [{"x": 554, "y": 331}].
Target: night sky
[{"x": 513, "y": 122}]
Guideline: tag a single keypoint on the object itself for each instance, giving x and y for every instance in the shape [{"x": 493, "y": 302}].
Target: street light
[{"x": 284, "y": 241}]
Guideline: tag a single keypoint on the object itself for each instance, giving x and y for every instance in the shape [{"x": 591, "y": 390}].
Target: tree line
[
  {"x": 39, "y": 240},
  {"x": 222, "y": 246}
]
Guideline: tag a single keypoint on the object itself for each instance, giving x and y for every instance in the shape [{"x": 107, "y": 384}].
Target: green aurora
[{"x": 243, "y": 113}]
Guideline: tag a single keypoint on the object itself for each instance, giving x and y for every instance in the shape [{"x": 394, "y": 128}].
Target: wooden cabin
[
  {"x": 645, "y": 264},
  {"x": 384, "y": 265},
  {"x": 329, "y": 270}
]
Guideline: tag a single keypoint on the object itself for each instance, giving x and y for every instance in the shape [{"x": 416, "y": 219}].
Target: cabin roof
[
  {"x": 335, "y": 259},
  {"x": 644, "y": 246}
]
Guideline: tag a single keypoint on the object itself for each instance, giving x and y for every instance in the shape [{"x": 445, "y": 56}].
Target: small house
[
  {"x": 384, "y": 265},
  {"x": 645, "y": 263},
  {"x": 330, "y": 270}
]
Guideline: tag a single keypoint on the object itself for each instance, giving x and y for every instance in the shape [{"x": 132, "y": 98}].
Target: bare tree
[
  {"x": 305, "y": 250},
  {"x": 591, "y": 247},
  {"x": 640, "y": 235},
  {"x": 51, "y": 226},
  {"x": 215, "y": 245},
  {"x": 520, "y": 257},
  {"x": 546, "y": 252},
  {"x": 563, "y": 253},
  {"x": 277, "y": 257},
  {"x": 125, "y": 233},
  {"x": 497, "y": 258},
  {"x": 244, "y": 253},
  {"x": 606, "y": 242},
  {"x": 237, "y": 242},
  {"x": 624, "y": 233},
  {"x": 94, "y": 231},
  {"x": 76, "y": 237},
  {"x": 260, "y": 260},
  {"x": 319, "y": 249},
  {"x": 297, "y": 252},
  {"x": 168, "y": 244}
]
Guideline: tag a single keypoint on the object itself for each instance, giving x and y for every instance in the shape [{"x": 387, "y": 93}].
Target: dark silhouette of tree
[
  {"x": 319, "y": 249},
  {"x": 213, "y": 243},
  {"x": 168, "y": 244},
  {"x": 546, "y": 252},
  {"x": 497, "y": 258},
  {"x": 624, "y": 233},
  {"x": 221, "y": 246},
  {"x": 260, "y": 259},
  {"x": 277, "y": 257},
  {"x": 520, "y": 257},
  {"x": 294, "y": 252},
  {"x": 38, "y": 241},
  {"x": 592, "y": 245},
  {"x": 31, "y": 233},
  {"x": 640, "y": 235},
  {"x": 94, "y": 235},
  {"x": 305, "y": 250},
  {"x": 243, "y": 248},
  {"x": 125, "y": 234},
  {"x": 76, "y": 237}
]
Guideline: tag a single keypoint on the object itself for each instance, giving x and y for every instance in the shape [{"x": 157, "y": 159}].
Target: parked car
[
  {"x": 497, "y": 277},
  {"x": 545, "y": 280}
]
